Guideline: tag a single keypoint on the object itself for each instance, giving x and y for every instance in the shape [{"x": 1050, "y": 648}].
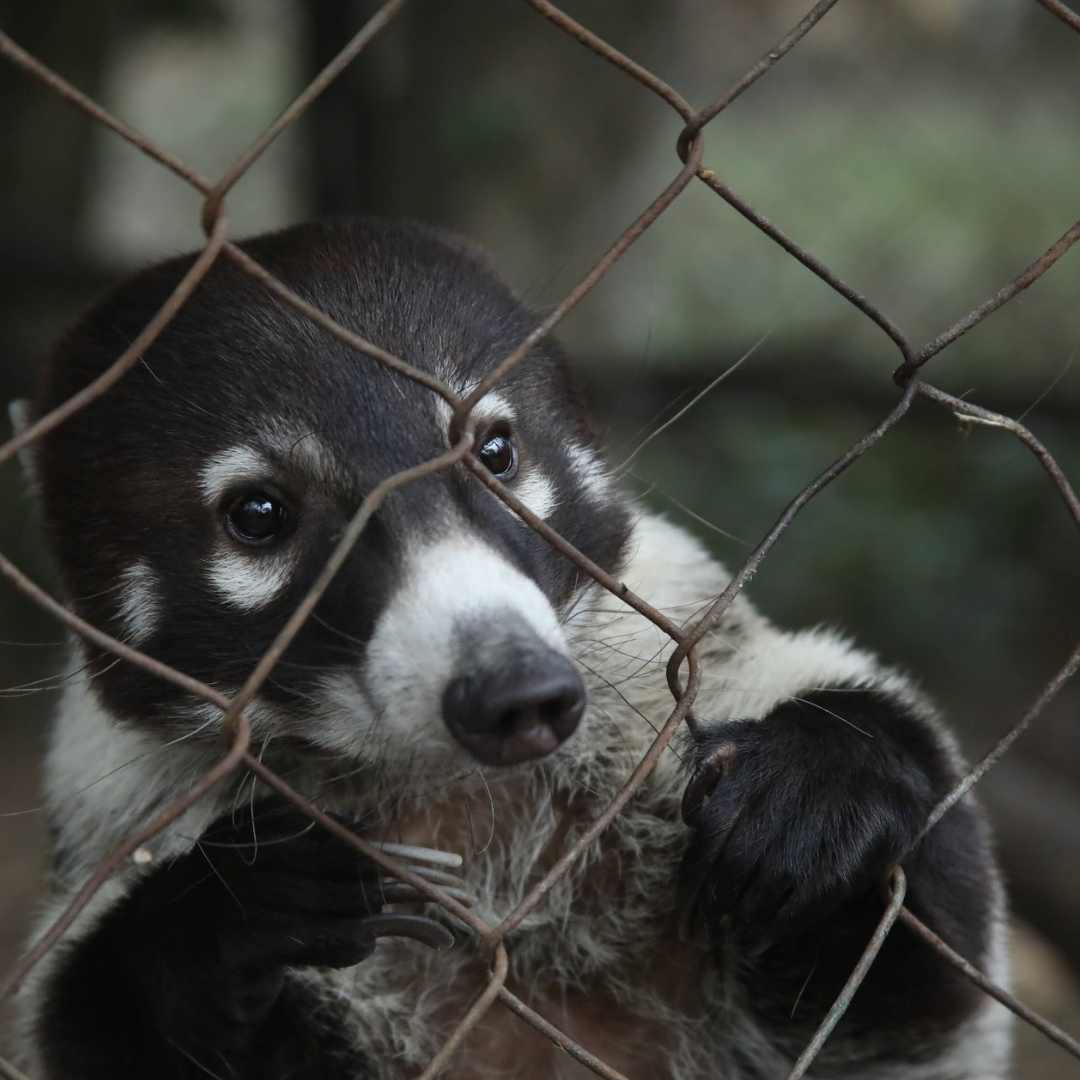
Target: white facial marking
[
  {"x": 240, "y": 464},
  {"x": 303, "y": 450},
  {"x": 415, "y": 649},
  {"x": 590, "y": 471},
  {"x": 532, "y": 487},
  {"x": 492, "y": 406},
  {"x": 300, "y": 449},
  {"x": 537, "y": 492},
  {"x": 248, "y": 582},
  {"x": 139, "y": 605}
]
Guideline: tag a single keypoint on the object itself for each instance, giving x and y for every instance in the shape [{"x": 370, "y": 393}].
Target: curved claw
[
  {"x": 433, "y": 865},
  {"x": 400, "y": 892},
  {"x": 418, "y": 927},
  {"x": 437, "y": 877},
  {"x": 411, "y": 853},
  {"x": 705, "y": 779}
]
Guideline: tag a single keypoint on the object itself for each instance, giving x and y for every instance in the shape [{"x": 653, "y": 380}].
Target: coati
[{"x": 461, "y": 689}]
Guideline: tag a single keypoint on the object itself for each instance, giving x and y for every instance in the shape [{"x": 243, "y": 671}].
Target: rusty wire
[
  {"x": 684, "y": 674},
  {"x": 10, "y": 1072},
  {"x": 1040, "y": 1023},
  {"x": 898, "y": 887},
  {"x": 1065, "y": 14}
]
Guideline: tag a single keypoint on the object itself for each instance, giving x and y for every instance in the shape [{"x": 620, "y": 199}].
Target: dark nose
[{"x": 524, "y": 709}]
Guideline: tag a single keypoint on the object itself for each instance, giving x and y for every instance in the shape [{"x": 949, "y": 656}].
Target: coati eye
[
  {"x": 499, "y": 454},
  {"x": 256, "y": 518}
]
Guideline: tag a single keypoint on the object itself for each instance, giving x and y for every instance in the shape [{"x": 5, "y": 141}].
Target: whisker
[
  {"x": 836, "y": 715},
  {"x": 697, "y": 517},
  {"x": 50, "y": 683},
  {"x": 1046, "y": 393},
  {"x": 491, "y": 803},
  {"x": 316, "y": 617},
  {"x": 629, "y": 704},
  {"x": 731, "y": 369}
]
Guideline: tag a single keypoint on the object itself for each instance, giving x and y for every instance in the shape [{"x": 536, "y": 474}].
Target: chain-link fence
[{"x": 684, "y": 673}]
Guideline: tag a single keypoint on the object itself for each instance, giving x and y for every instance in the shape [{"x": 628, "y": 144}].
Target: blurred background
[{"x": 926, "y": 150}]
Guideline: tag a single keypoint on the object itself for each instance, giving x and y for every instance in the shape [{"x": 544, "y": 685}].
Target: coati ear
[{"x": 21, "y": 418}]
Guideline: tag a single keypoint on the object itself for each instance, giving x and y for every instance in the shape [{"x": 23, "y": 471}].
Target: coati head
[{"x": 192, "y": 506}]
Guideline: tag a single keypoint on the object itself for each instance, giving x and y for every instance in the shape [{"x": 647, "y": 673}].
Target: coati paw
[
  {"x": 264, "y": 890},
  {"x": 796, "y": 814}
]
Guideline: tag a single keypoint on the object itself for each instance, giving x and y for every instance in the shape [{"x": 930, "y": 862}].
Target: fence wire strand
[{"x": 684, "y": 674}]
